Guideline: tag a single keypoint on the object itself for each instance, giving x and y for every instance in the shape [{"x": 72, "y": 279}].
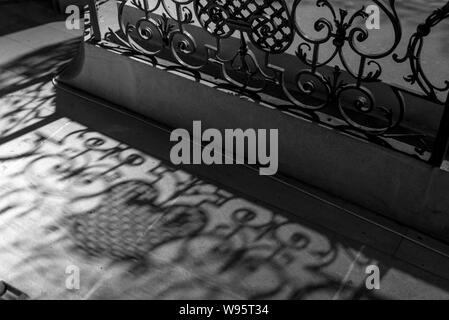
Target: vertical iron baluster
[
  {"x": 95, "y": 25},
  {"x": 442, "y": 140},
  {"x": 147, "y": 9},
  {"x": 179, "y": 17},
  {"x": 316, "y": 54},
  {"x": 361, "y": 71}
]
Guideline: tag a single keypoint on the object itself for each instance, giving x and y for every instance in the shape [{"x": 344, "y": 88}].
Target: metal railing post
[
  {"x": 94, "y": 22},
  {"x": 441, "y": 145}
]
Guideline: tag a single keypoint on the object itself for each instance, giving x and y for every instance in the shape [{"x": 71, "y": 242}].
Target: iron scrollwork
[
  {"x": 150, "y": 35},
  {"x": 344, "y": 31},
  {"x": 260, "y": 30},
  {"x": 265, "y": 24}
]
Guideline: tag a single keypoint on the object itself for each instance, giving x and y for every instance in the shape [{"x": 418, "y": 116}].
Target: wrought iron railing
[{"x": 259, "y": 48}]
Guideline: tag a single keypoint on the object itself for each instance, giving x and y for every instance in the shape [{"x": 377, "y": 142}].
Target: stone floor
[{"x": 84, "y": 185}]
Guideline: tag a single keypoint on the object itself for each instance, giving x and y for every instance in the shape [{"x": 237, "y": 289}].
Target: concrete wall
[{"x": 392, "y": 184}]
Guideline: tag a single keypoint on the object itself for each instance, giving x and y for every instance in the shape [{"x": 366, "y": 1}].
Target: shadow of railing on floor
[
  {"x": 172, "y": 234},
  {"x": 26, "y": 93}
]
